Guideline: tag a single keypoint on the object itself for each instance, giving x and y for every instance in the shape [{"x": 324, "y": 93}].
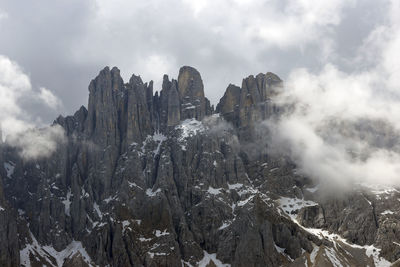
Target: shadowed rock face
[
  {"x": 160, "y": 179},
  {"x": 9, "y": 249},
  {"x": 191, "y": 94},
  {"x": 251, "y": 103}
]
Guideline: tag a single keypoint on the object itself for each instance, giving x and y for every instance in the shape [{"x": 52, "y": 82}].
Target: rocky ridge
[{"x": 161, "y": 179}]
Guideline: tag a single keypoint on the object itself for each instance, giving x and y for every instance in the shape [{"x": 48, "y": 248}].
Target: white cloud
[
  {"x": 225, "y": 40},
  {"x": 155, "y": 65},
  {"x": 37, "y": 143},
  {"x": 49, "y": 98},
  {"x": 14, "y": 84},
  {"x": 16, "y": 122},
  {"x": 3, "y": 15},
  {"x": 345, "y": 127},
  {"x": 275, "y": 22}
]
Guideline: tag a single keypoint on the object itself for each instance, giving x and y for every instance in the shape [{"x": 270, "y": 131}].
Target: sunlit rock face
[{"x": 161, "y": 179}]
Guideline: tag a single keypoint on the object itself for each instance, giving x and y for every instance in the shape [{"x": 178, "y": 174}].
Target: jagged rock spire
[
  {"x": 191, "y": 93},
  {"x": 250, "y": 103}
]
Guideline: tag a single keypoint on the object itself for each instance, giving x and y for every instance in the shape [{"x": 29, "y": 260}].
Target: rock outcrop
[
  {"x": 160, "y": 179},
  {"x": 9, "y": 249},
  {"x": 251, "y": 103}
]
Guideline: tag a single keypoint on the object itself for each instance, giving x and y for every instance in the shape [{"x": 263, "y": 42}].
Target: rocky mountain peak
[
  {"x": 242, "y": 106},
  {"x": 191, "y": 92},
  {"x": 107, "y": 79},
  {"x": 148, "y": 179},
  {"x": 135, "y": 80},
  {"x": 119, "y": 114}
]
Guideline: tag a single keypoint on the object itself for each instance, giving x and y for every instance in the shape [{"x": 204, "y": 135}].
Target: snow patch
[
  {"x": 48, "y": 252},
  {"x": 186, "y": 263},
  {"x": 282, "y": 251},
  {"x": 160, "y": 138},
  {"x": 224, "y": 225},
  {"x": 152, "y": 254},
  {"x": 125, "y": 225},
  {"x": 387, "y": 212},
  {"x": 292, "y": 205},
  {"x": 134, "y": 185},
  {"x": 314, "y": 253},
  {"x": 189, "y": 127},
  {"x": 9, "y": 167},
  {"x": 109, "y": 199},
  {"x": 98, "y": 211},
  {"x": 244, "y": 202},
  {"x": 211, "y": 258},
  {"x": 158, "y": 233},
  {"x": 234, "y": 186},
  {"x": 67, "y": 203},
  {"x": 151, "y": 193},
  {"x": 214, "y": 191},
  {"x": 331, "y": 254},
  {"x": 379, "y": 189},
  {"x": 369, "y": 250},
  {"x": 374, "y": 252},
  {"x": 156, "y": 137},
  {"x": 143, "y": 239}
]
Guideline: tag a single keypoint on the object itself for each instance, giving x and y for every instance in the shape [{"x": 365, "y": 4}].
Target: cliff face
[
  {"x": 161, "y": 179},
  {"x": 251, "y": 103}
]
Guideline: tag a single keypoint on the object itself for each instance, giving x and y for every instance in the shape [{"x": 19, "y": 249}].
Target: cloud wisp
[
  {"x": 17, "y": 124},
  {"x": 343, "y": 127},
  {"x": 35, "y": 143}
]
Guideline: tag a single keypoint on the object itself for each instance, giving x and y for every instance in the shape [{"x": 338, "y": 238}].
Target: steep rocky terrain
[{"x": 163, "y": 179}]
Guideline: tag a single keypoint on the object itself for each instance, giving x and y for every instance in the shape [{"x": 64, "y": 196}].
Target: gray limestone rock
[{"x": 159, "y": 179}]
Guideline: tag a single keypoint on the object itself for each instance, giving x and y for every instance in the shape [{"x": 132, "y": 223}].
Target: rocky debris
[{"x": 159, "y": 179}]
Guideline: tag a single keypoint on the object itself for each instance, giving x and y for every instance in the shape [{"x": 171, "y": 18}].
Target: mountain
[{"x": 162, "y": 179}]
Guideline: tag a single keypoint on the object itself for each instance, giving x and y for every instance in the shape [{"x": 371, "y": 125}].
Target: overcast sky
[
  {"x": 339, "y": 60},
  {"x": 59, "y": 46}
]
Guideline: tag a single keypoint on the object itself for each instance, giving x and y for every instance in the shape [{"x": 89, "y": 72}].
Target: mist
[
  {"x": 18, "y": 126},
  {"x": 37, "y": 143},
  {"x": 344, "y": 128}
]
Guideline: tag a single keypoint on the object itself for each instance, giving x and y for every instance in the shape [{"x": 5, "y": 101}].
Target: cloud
[
  {"x": 37, "y": 143},
  {"x": 342, "y": 127},
  {"x": 225, "y": 40},
  {"x": 3, "y": 15},
  {"x": 219, "y": 128},
  {"x": 14, "y": 85},
  {"x": 16, "y": 122},
  {"x": 49, "y": 98},
  {"x": 219, "y": 38}
]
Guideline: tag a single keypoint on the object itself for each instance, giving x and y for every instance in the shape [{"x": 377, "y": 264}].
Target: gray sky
[
  {"x": 339, "y": 60},
  {"x": 62, "y": 45}
]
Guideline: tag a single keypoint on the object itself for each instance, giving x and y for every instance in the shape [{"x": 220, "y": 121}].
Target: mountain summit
[{"x": 163, "y": 179}]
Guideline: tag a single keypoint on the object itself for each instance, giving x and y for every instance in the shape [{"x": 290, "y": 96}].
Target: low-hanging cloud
[
  {"x": 345, "y": 127},
  {"x": 17, "y": 124},
  {"x": 37, "y": 143}
]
